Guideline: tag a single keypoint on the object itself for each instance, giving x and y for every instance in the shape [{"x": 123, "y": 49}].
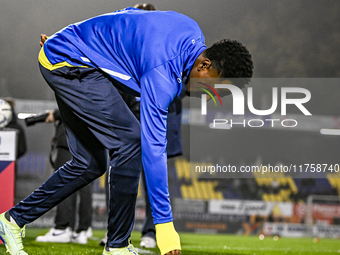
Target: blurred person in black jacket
[
  {"x": 65, "y": 219},
  {"x": 21, "y": 145}
]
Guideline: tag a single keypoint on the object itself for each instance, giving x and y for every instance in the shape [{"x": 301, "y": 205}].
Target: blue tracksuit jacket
[{"x": 149, "y": 53}]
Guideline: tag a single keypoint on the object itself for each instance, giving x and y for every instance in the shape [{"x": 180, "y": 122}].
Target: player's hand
[
  {"x": 43, "y": 38},
  {"x": 50, "y": 117},
  {"x": 175, "y": 252}
]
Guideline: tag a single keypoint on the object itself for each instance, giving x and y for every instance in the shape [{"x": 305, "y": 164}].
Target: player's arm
[{"x": 157, "y": 92}]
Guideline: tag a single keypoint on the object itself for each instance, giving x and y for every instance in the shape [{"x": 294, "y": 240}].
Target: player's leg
[
  {"x": 65, "y": 218},
  {"x": 88, "y": 163},
  {"x": 110, "y": 120},
  {"x": 123, "y": 187},
  {"x": 65, "y": 214},
  {"x": 93, "y": 101},
  {"x": 125, "y": 163}
]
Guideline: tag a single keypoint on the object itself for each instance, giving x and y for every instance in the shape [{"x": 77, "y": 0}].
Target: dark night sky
[{"x": 287, "y": 28}]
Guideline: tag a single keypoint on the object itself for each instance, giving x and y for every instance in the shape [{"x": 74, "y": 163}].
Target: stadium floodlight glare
[{"x": 328, "y": 131}]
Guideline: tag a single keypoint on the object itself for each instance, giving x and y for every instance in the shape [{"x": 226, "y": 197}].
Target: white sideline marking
[{"x": 142, "y": 251}]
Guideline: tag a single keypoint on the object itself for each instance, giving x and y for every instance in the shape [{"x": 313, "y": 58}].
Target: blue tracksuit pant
[{"x": 102, "y": 135}]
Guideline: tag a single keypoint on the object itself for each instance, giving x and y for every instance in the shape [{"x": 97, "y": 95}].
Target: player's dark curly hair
[{"x": 231, "y": 60}]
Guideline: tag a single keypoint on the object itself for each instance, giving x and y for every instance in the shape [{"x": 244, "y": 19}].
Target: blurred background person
[
  {"x": 65, "y": 229},
  {"x": 21, "y": 145}
]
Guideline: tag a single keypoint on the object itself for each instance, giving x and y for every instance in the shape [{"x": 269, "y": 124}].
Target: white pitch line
[
  {"x": 258, "y": 249},
  {"x": 142, "y": 251}
]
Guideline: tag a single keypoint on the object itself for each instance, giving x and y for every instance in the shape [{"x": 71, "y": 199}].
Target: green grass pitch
[{"x": 192, "y": 244}]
